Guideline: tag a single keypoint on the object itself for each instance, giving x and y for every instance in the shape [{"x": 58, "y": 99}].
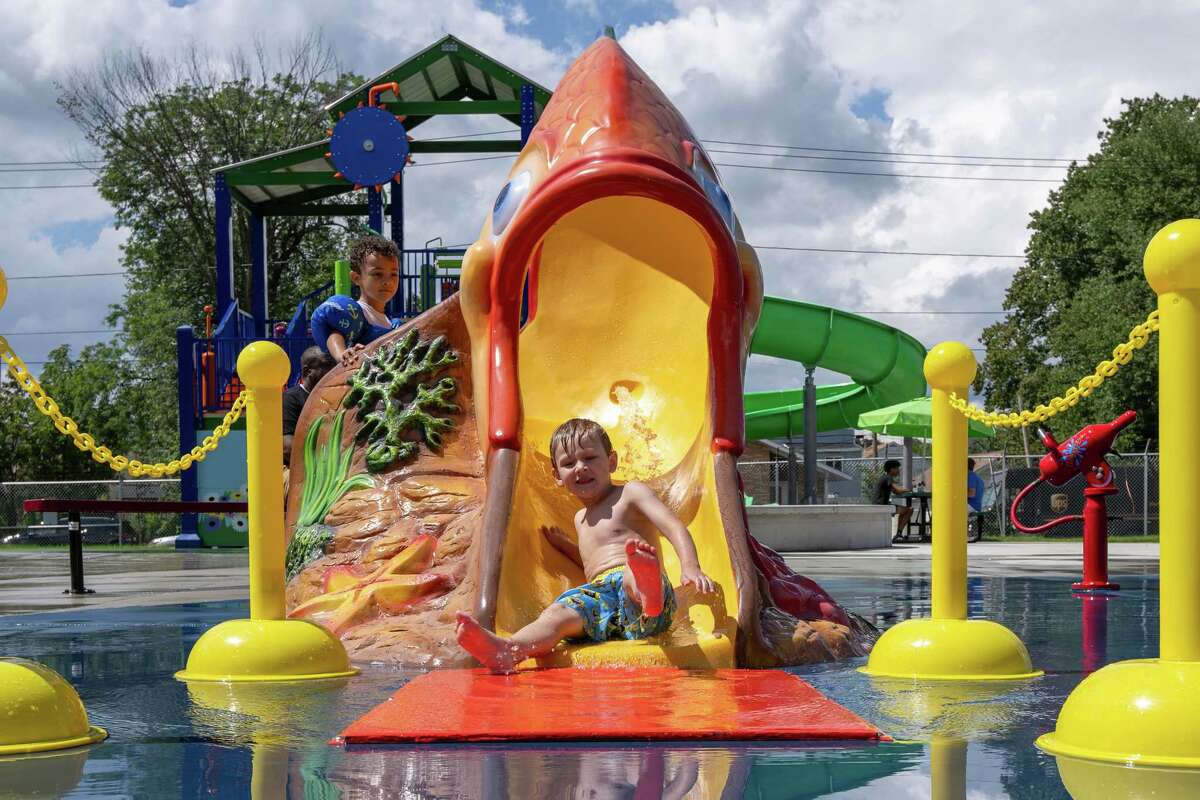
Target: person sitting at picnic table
[
  {"x": 885, "y": 487},
  {"x": 975, "y": 488}
]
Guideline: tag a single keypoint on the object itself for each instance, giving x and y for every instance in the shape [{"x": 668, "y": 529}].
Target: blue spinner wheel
[{"x": 369, "y": 146}]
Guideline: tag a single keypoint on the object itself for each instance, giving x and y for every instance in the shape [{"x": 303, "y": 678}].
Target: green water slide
[{"x": 884, "y": 365}]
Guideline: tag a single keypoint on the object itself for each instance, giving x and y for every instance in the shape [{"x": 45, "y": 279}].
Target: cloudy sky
[{"x": 1003, "y": 87}]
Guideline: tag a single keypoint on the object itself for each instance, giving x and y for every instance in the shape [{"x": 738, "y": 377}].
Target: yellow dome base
[
  {"x": 267, "y": 650},
  {"x": 950, "y": 650},
  {"x": 1144, "y": 712},
  {"x": 40, "y": 711}
]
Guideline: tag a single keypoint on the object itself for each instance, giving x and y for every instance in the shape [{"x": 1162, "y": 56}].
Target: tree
[
  {"x": 162, "y": 126},
  {"x": 1081, "y": 288}
]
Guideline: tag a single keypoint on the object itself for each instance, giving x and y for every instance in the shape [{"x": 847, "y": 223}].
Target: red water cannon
[{"x": 1084, "y": 453}]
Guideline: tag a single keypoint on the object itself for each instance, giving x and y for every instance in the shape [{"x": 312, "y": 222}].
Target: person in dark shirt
[
  {"x": 314, "y": 363},
  {"x": 885, "y": 487}
]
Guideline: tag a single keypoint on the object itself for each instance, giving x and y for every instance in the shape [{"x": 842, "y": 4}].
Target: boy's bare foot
[
  {"x": 642, "y": 560},
  {"x": 491, "y": 651}
]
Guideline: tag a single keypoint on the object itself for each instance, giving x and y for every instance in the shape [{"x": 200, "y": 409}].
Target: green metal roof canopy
[{"x": 448, "y": 77}]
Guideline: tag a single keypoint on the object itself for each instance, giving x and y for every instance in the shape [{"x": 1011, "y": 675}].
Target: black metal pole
[
  {"x": 791, "y": 486},
  {"x": 75, "y": 542},
  {"x": 810, "y": 437}
]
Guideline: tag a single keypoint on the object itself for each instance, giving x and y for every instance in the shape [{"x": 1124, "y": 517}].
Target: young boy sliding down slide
[{"x": 627, "y": 596}]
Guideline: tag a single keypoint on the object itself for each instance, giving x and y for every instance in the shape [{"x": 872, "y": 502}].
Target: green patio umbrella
[{"x": 912, "y": 418}]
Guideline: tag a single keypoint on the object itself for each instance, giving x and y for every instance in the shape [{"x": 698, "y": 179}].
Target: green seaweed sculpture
[
  {"x": 395, "y": 405},
  {"x": 325, "y": 471},
  {"x": 325, "y": 481}
]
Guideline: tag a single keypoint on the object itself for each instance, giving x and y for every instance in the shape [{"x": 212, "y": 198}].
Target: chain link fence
[
  {"x": 1133, "y": 510},
  {"x": 134, "y": 528}
]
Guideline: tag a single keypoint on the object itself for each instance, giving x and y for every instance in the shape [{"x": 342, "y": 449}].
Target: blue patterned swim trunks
[{"x": 609, "y": 613}]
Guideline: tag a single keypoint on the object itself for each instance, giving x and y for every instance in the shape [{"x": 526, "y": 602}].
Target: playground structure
[
  {"x": 882, "y": 362},
  {"x": 1084, "y": 453},
  {"x": 633, "y": 224}
]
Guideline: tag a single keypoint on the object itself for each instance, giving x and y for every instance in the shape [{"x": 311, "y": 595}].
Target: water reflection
[
  {"x": 1094, "y": 780},
  {"x": 595, "y": 771},
  {"x": 42, "y": 774},
  {"x": 169, "y": 740}
]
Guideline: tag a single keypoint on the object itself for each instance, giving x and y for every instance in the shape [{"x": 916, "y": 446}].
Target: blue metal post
[
  {"x": 396, "y": 214},
  {"x": 185, "y": 355},
  {"x": 223, "y": 206},
  {"x": 527, "y": 122},
  {"x": 258, "y": 273},
  {"x": 374, "y": 209},
  {"x": 527, "y": 119}
]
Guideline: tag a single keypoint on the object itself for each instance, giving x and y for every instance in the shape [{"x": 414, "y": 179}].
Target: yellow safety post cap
[
  {"x": 1172, "y": 259},
  {"x": 950, "y": 650},
  {"x": 1144, "y": 712},
  {"x": 40, "y": 711},
  {"x": 263, "y": 365},
  {"x": 950, "y": 366},
  {"x": 267, "y": 650}
]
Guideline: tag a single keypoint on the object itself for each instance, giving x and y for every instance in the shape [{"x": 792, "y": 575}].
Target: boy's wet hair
[
  {"x": 368, "y": 245},
  {"x": 891, "y": 464},
  {"x": 573, "y": 432}
]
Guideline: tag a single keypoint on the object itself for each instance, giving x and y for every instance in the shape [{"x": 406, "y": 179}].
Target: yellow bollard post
[
  {"x": 949, "y": 369},
  {"x": 1146, "y": 712},
  {"x": 263, "y": 368},
  {"x": 265, "y": 647},
  {"x": 949, "y": 646}
]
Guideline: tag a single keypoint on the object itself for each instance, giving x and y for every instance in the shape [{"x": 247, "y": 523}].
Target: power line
[
  {"x": 891, "y": 174},
  {"x": 459, "y": 161},
  {"x": 63, "y": 275},
  {"x": 882, "y": 252},
  {"x": 886, "y": 152},
  {"x": 891, "y": 161},
  {"x": 5, "y": 170},
  {"x": 56, "y": 186},
  {"x": 39, "y": 163},
  {"x": 60, "y": 333}
]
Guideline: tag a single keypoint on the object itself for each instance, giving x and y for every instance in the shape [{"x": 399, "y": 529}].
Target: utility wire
[
  {"x": 881, "y": 252},
  {"x": 886, "y": 152},
  {"x": 889, "y": 161},
  {"x": 54, "y": 186},
  {"x": 63, "y": 275},
  {"x": 60, "y": 333},
  {"x": 37, "y": 163},
  {"x": 891, "y": 174}
]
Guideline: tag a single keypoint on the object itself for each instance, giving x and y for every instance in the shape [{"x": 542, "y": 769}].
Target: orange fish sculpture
[{"x": 611, "y": 281}]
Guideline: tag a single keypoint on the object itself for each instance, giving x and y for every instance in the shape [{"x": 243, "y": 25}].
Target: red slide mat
[{"x": 635, "y": 703}]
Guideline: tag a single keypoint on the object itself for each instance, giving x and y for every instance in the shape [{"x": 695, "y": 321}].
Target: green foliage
[
  {"x": 325, "y": 469},
  {"x": 162, "y": 126},
  {"x": 102, "y": 393},
  {"x": 1081, "y": 289},
  {"x": 392, "y": 401}
]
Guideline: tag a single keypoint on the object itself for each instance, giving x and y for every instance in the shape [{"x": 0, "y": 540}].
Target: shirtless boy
[{"x": 627, "y": 596}]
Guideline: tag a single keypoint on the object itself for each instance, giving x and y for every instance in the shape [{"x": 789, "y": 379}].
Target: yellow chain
[
  {"x": 1122, "y": 354},
  {"x": 85, "y": 442}
]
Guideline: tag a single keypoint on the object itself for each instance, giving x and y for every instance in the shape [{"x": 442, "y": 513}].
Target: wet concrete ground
[{"x": 33, "y": 581}]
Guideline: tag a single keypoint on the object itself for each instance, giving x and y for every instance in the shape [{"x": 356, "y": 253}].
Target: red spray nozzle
[{"x": 1082, "y": 452}]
